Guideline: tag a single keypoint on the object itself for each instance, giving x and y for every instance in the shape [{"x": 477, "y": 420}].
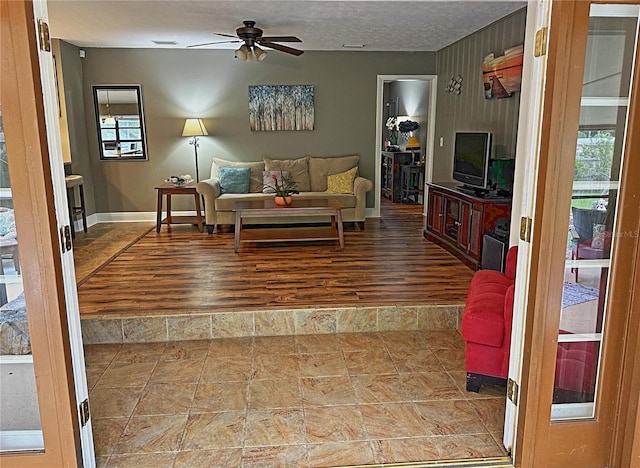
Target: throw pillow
[
  {"x": 341, "y": 182},
  {"x": 597, "y": 242},
  {"x": 234, "y": 179},
  {"x": 255, "y": 184},
  {"x": 7, "y": 224},
  {"x": 298, "y": 170},
  {"x": 271, "y": 179},
  {"x": 320, "y": 168}
]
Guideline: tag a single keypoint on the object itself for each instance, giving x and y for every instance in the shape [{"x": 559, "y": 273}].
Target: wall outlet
[{"x": 441, "y": 142}]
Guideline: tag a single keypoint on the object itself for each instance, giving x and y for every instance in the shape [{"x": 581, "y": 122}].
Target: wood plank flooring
[{"x": 183, "y": 271}]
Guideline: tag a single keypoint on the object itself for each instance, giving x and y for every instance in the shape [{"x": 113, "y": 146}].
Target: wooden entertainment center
[{"x": 457, "y": 220}]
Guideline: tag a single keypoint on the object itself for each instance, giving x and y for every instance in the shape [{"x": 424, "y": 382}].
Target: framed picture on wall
[
  {"x": 502, "y": 76},
  {"x": 281, "y": 107}
]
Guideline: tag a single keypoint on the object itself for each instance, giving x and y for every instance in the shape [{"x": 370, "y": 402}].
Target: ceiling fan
[{"x": 252, "y": 38}]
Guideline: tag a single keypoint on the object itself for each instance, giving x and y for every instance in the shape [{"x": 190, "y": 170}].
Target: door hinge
[
  {"x": 45, "y": 40},
  {"x": 512, "y": 391},
  {"x": 85, "y": 414},
  {"x": 65, "y": 238},
  {"x": 525, "y": 229},
  {"x": 541, "y": 42}
]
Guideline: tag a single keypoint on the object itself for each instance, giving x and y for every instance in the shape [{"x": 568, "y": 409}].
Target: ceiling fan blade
[
  {"x": 281, "y": 39},
  {"x": 211, "y": 43},
  {"x": 225, "y": 35},
  {"x": 281, "y": 48}
]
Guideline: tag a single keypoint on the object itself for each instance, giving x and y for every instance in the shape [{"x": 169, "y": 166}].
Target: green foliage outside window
[{"x": 594, "y": 155}]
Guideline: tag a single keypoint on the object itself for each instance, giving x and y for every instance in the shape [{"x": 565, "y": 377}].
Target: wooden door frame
[
  {"x": 32, "y": 189},
  {"x": 626, "y": 437},
  {"x": 429, "y": 144},
  {"x": 536, "y": 433}
]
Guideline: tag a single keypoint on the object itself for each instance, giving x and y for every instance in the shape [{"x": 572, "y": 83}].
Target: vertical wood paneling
[{"x": 470, "y": 110}]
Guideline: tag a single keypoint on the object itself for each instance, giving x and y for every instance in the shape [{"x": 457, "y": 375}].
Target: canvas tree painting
[{"x": 281, "y": 107}]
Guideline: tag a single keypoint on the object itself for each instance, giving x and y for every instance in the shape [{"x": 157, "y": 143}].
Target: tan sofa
[{"x": 310, "y": 174}]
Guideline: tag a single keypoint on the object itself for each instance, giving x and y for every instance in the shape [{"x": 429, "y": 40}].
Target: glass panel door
[
  {"x": 20, "y": 427},
  {"x": 451, "y": 218},
  {"x": 592, "y": 233}
]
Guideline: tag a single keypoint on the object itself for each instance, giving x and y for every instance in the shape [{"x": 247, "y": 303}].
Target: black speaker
[{"x": 494, "y": 253}]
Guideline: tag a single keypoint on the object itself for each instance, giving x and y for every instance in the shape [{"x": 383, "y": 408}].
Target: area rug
[{"x": 573, "y": 294}]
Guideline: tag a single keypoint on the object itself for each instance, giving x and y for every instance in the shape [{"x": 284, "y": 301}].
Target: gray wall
[
  {"x": 76, "y": 119},
  {"x": 470, "y": 111},
  {"x": 210, "y": 84}
]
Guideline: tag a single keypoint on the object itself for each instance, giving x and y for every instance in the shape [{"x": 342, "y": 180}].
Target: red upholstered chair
[
  {"x": 576, "y": 366},
  {"x": 486, "y": 324},
  {"x": 587, "y": 222}
]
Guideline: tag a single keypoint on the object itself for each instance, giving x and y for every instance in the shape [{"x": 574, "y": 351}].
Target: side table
[
  {"x": 72, "y": 181},
  {"x": 167, "y": 190}
]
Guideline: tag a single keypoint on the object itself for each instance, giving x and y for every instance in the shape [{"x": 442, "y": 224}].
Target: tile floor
[{"x": 292, "y": 401}]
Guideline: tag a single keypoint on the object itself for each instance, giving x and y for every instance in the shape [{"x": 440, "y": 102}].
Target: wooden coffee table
[{"x": 299, "y": 208}]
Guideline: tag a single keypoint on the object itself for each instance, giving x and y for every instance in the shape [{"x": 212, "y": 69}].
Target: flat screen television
[{"x": 471, "y": 159}]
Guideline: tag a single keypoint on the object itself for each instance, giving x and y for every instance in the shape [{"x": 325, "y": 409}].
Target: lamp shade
[
  {"x": 194, "y": 127},
  {"x": 413, "y": 142}
]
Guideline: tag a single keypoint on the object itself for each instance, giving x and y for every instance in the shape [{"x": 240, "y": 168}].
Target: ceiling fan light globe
[
  {"x": 259, "y": 53},
  {"x": 243, "y": 53}
]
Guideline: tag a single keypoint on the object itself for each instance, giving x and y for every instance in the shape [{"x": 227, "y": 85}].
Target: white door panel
[
  {"x": 529, "y": 125},
  {"x": 47, "y": 73}
]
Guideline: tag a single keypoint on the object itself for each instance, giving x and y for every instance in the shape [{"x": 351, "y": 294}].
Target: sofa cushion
[
  {"x": 255, "y": 181},
  {"x": 341, "y": 182},
  {"x": 234, "y": 179},
  {"x": 270, "y": 179},
  {"x": 298, "y": 170},
  {"x": 320, "y": 168}
]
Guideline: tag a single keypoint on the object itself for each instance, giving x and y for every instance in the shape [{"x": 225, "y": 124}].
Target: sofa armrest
[
  {"x": 360, "y": 188},
  {"x": 508, "y": 325},
  {"x": 512, "y": 258},
  {"x": 508, "y": 312},
  {"x": 210, "y": 190}
]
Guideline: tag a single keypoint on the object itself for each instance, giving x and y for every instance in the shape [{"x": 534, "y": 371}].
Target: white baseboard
[
  {"x": 91, "y": 220},
  {"x": 136, "y": 216}
]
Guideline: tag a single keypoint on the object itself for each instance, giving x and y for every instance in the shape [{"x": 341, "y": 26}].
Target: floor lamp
[{"x": 194, "y": 128}]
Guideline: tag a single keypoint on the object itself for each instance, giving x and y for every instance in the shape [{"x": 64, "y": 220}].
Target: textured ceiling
[{"x": 322, "y": 25}]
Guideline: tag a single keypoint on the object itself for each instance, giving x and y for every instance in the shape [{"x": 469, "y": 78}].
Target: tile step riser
[{"x": 178, "y": 327}]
